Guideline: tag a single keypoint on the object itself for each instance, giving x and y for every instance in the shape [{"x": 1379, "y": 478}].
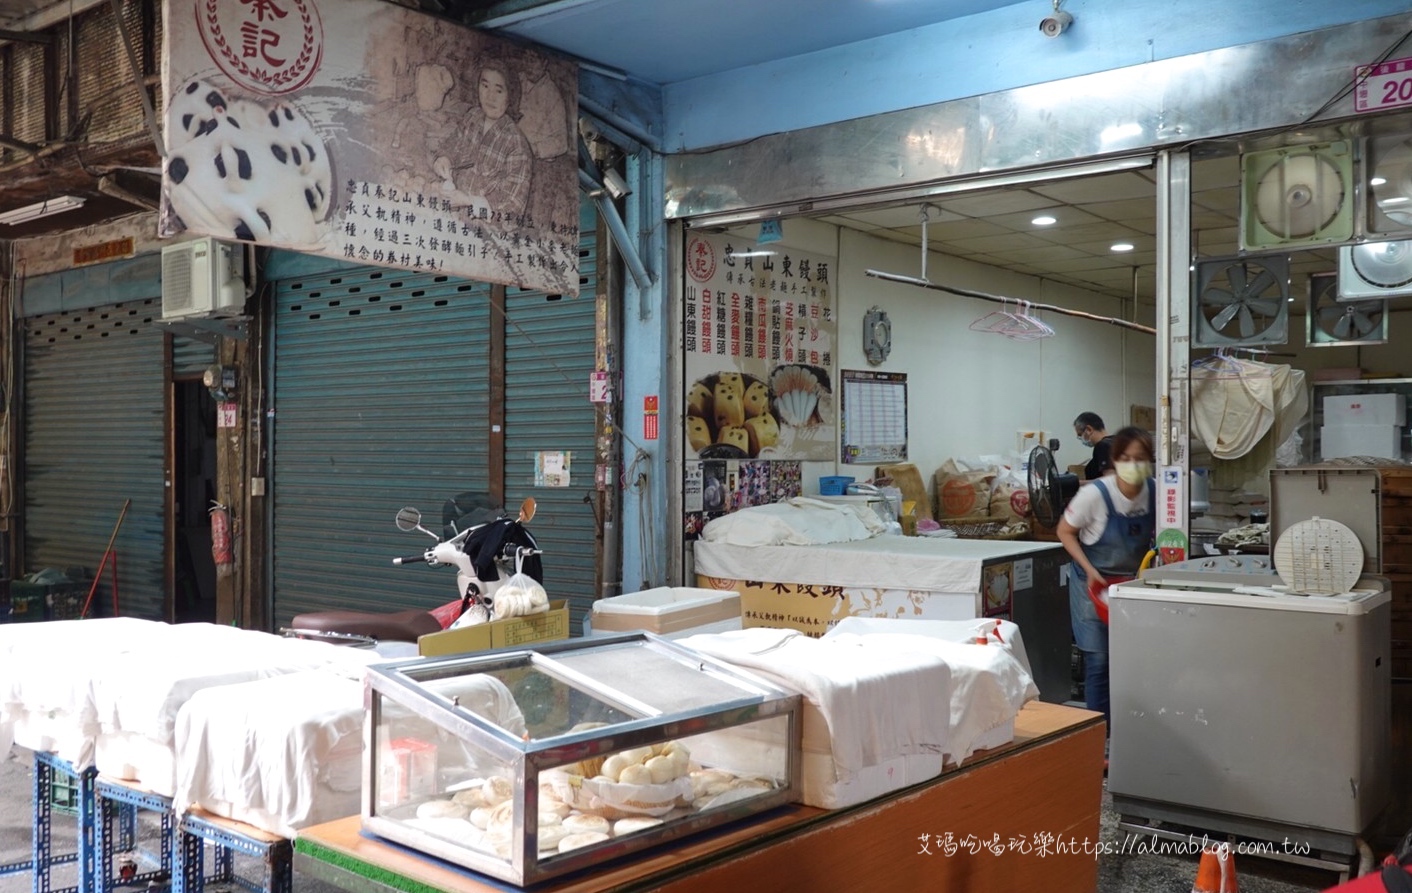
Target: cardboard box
[
  {"x": 507, "y": 633},
  {"x": 1365, "y": 409},
  {"x": 409, "y": 771},
  {"x": 1382, "y": 441},
  {"x": 665, "y": 609}
]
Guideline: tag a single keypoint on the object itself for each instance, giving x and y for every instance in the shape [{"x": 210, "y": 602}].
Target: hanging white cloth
[{"x": 1235, "y": 403}]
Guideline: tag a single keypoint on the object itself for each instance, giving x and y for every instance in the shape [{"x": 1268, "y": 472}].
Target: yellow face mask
[{"x": 1133, "y": 472}]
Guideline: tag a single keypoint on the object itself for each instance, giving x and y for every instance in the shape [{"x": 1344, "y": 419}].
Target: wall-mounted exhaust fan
[
  {"x": 1389, "y": 195},
  {"x": 1300, "y": 195},
  {"x": 1375, "y": 270},
  {"x": 1330, "y": 322},
  {"x": 1241, "y": 301}
]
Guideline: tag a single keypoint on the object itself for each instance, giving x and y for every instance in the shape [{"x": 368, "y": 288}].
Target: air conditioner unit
[{"x": 203, "y": 278}]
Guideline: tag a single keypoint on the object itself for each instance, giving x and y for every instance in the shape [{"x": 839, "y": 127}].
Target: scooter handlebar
[{"x": 411, "y": 559}]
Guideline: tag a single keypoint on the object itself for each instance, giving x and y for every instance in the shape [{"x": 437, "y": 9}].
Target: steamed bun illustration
[{"x": 246, "y": 169}]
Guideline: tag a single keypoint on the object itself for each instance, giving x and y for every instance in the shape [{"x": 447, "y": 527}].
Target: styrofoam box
[
  {"x": 1382, "y": 441},
  {"x": 665, "y": 609},
  {"x": 1365, "y": 409}
]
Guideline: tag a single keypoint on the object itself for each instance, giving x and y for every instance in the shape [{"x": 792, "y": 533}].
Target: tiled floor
[{"x": 1122, "y": 871}]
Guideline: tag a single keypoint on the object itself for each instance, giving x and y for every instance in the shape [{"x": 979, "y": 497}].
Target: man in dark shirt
[{"x": 1088, "y": 427}]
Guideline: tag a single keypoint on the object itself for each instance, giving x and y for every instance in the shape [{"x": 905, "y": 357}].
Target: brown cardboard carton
[{"x": 507, "y": 633}]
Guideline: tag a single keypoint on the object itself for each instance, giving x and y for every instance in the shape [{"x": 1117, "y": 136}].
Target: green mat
[{"x": 363, "y": 869}]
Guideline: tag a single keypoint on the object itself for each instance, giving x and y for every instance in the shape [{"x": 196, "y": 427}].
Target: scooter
[{"x": 484, "y": 545}]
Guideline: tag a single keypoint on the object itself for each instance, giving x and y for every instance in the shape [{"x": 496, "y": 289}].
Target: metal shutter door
[
  {"x": 549, "y": 356},
  {"x": 380, "y": 401},
  {"x": 191, "y": 357},
  {"x": 94, "y": 412}
]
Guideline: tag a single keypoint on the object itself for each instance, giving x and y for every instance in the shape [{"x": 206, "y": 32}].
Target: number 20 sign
[{"x": 1387, "y": 85}]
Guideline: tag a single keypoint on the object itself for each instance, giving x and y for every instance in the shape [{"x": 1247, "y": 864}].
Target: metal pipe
[
  {"x": 613, "y": 134},
  {"x": 599, "y": 193},
  {"x": 980, "y": 295},
  {"x": 607, "y": 116},
  {"x": 147, "y": 111},
  {"x": 19, "y": 146}
]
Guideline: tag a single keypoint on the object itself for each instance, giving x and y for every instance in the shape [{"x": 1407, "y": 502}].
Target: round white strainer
[{"x": 1319, "y": 557}]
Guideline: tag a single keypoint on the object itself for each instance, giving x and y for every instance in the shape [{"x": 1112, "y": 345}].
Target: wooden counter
[{"x": 1044, "y": 786}]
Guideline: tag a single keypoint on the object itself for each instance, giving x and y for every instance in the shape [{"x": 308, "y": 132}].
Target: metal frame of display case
[{"x": 530, "y": 757}]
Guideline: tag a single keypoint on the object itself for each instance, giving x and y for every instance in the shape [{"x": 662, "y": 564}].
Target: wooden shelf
[{"x": 1046, "y": 785}]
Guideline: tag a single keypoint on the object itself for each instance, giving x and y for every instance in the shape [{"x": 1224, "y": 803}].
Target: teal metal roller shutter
[
  {"x": 191, "y": 357},
  {"x": 549, "y": 358},
  {"x": 94, "y": 414},
  {"x": 379, "y": 401}
]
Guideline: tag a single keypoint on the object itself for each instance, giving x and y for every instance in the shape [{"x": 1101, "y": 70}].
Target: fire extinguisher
[{"x": 220, "y": 536}]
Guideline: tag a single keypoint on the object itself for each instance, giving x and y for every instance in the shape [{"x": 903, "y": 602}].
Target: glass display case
[{"x": 524, "y": 765}]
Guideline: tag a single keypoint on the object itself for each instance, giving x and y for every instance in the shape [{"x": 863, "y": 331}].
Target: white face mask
[{"x": 1133, "y": 472}]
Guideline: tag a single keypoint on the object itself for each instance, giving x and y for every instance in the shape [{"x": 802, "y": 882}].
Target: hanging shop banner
[
  {"x": 369, "y": 132},
  {"x": 759, "y": 337}
]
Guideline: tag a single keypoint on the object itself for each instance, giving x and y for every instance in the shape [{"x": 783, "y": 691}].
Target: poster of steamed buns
[
  {"x": 372, "y": 133},
  {"x": 758, "y": 337}
]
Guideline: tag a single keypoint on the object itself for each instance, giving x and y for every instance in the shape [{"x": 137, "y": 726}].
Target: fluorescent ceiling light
[
  {"x": 1122, "y": 246},
  {"x": 41, "y": 209},
  {"x": 1045, "y": 220}
]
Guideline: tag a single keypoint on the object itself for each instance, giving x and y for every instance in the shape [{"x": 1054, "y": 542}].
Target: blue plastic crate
[{"x": 834, "y": 485}]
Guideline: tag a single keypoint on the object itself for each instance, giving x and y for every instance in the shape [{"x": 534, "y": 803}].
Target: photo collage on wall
[{"x": 715, "y": 487}]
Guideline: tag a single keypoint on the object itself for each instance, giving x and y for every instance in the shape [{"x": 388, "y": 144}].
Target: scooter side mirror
[
  {"x": 527, "y": 510},
  {"x": 408, "y": 518}
]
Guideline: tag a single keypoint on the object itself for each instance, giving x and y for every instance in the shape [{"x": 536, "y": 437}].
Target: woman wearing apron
[{"x": 1107, "y": 529}]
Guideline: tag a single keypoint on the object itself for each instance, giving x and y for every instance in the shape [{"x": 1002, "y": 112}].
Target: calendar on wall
[{"x": 874, "y": 416}]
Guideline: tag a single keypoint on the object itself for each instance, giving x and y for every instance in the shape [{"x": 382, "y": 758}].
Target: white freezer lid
[
  {"x": 1368, "y": 595},
  {"x": 913, "y": 563},
  {"x": 662, "y": 600}
]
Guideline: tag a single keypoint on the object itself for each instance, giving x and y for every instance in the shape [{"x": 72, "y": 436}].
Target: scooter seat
[{"x": 398, "y": 626}]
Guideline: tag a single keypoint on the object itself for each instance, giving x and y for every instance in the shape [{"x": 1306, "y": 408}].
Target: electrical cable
[{"x": 637, "y": 479}]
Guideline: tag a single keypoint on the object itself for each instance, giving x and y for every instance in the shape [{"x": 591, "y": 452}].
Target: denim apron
[{"x": 1118, "y": 553}]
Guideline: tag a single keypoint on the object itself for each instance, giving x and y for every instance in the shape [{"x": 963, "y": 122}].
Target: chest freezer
[{"x": 1241, "y": 708}]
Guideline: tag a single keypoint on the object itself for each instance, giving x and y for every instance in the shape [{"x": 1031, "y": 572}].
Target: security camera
[
  {"x": 1056, "y": 24},
  {"x": 617, "y": 187}
]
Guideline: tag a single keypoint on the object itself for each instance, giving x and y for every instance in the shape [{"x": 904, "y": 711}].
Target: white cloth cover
[
  {"x": 874, "y": 702},
  {"x": 994, "y": 631},
  {"x": 799, "y": 521},
  {"x": 46, "y": 679},
  {"x": 908, "y": 563},
  {"x": 69, "y": 686},
  {"x": 280, "y": 753},
  {"x": 988, "y": 685}
]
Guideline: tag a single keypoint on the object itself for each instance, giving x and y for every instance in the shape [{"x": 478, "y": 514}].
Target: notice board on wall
[{"x": 874, "y": 411}]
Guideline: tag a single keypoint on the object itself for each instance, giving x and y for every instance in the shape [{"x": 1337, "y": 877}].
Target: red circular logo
[
  {"x": 270, "y": 47},
  {"x": 1020, "y": 502},
  {"x": 700, "y": 260},
  {"x": 958, "y": 497}
]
